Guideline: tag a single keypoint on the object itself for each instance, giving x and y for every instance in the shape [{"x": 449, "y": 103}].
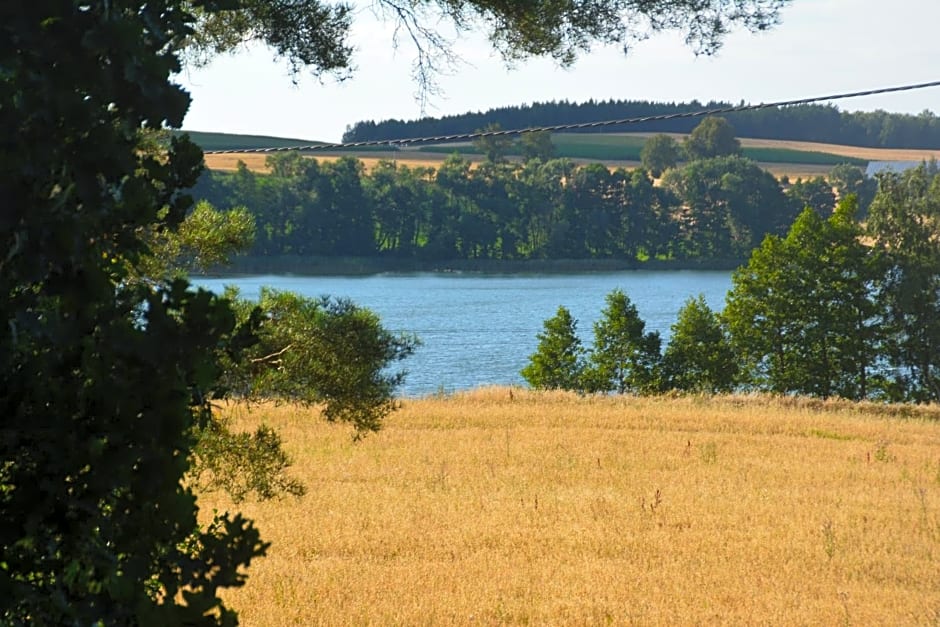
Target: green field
[
  {"x": 231, "y": 141},
  {"x": 618, "y": 147}
]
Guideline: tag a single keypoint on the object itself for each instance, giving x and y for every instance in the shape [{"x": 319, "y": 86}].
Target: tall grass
[{"x": 515, "y": 507}]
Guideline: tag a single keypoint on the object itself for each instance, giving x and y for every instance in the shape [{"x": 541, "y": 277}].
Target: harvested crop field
[{"x": 504, "y": 506}]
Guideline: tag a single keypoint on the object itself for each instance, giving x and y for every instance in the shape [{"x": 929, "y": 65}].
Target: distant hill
[
  {"x": 815, "y": 123},
  {"x": 231, "y": 141}
]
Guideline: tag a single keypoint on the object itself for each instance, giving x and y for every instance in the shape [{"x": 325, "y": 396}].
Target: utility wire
[{"x": 397, "y": 143}]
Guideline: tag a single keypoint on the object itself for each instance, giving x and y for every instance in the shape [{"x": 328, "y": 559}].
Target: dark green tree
[
  {"x": 729, "y": 204},
  {"x": 904, "y": 220},
  {"x": 699, "y": 356},
  {"x": 815, "y": 193},
  {"x": 659, "y": 153},
  {"x": 537, "y": 145},
  {"x": 713, "y": 137},
  {"x": 623, "y": 358},
  {"x": 558, "y": 362},
  {"x": 802, "y": 313},
  {"x": 105, "y": 379},
  {"x": 849, "y": 179},
  {"x": 402, "y": 204},
  {"x": 492, "y": 145}
]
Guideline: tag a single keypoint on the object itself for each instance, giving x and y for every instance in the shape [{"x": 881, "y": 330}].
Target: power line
[{"x": 396, "y": 143}]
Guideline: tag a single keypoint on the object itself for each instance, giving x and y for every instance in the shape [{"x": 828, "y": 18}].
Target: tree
[
  {"x": 107, "y": 380},
  {"x": 492, "y": 144},
  {"x": 206, "y": 238},
  {"x": 699, "y": 356},
  {"x": 713, "y": 137},
  {"x": 802, "y": 313},
  {"x": 659, "y": 153},
  {"x": 537, "y": 145},
  {"x": 623, "y": 358},
  {"x": 850, "y": 179},
  {"x": 729, "y": 205},
  {"x": 312, "y": 34},
  {"x": 904, "y": 220},
  {"x": 558, "y": 361},
  {"x": 320, "y": 351},
  {"x": 815, "y": 193}
]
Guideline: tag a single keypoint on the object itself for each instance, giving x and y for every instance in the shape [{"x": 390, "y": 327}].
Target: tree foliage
[
  {"x": 699, "y": 356},
  {"x": 848, "y": 180},
  {"x": 712, "y": 208},
  {"x": 313, "y": 33},
  {"x": 105, "y": 379},
  {"x": 537, "y": 145},
  {"x": 205, "y": 239},
  {"x": 494, "y": 146},
  {"x": 320, "y": 351},
  {"x": 660, "y": 152},
  {"x": 815, "y": 193},
  {"x": 729, "y": 204},
  {"x": 623, "y": 357},
  {"x": 904, "y": 220},
  {"x": 802, "y": 313},
  {"x": 713, "y": 137},
  {"x": 558, "y": 363}
]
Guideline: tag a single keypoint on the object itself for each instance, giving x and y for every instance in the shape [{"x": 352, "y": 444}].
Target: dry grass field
[
  {"x": 256, "y": 162},
  {"x": 411, "y": 158},
  {"x": 493, "y": 508}
]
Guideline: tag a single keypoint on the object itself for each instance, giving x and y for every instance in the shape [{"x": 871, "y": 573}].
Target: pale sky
[{"x": 821, "y": 47}]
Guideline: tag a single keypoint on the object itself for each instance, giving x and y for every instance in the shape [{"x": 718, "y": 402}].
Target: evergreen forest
[{"x": 809, "y": 122}]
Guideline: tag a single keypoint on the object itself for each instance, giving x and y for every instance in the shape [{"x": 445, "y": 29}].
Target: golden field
[
  {"x": 257, "y": 161},
  {"x": 513, "y": 507},
  {"x": 414, "y": 158}
]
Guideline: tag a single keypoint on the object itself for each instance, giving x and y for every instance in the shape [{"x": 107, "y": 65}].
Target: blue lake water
[{"x": 480, "y": 329}]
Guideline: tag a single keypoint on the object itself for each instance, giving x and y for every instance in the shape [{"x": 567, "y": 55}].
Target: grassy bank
[
  {"x": 362, "y": 266},
  {"x": 494, "y": 507}
]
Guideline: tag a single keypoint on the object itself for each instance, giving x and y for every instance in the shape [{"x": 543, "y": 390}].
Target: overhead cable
[{"x": 457, "y": 137}]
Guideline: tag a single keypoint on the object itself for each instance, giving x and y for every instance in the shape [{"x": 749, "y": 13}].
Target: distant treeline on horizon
[{"x": 814, "y": 122}]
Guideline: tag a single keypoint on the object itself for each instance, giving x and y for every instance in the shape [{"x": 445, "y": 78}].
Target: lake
[{"x": 478, "y": 329}]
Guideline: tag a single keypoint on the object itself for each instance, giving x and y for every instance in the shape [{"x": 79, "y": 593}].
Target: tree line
[
  {"x": 718, "y": 207},
  {"x": 810, "y": 122},
  {"x": 834, "y": 307}
]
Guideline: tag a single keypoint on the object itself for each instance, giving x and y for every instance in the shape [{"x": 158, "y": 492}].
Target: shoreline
[{"x": 366, "y": 266}]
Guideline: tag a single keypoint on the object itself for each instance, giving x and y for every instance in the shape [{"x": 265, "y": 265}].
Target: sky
[{"x": 821, "y": 47}]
